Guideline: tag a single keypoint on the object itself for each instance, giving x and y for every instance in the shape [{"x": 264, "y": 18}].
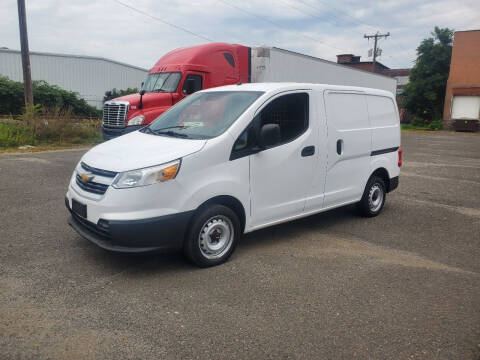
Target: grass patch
[
  {"x": 55, "y": 128},
  {"x": 423, "y": 125},
  {"x": 410, "y": 127}
]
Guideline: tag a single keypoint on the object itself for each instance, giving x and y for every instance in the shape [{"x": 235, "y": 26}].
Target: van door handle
[
  {"x": 339, "y": 146},
  {"x": 308, "y": 151}
]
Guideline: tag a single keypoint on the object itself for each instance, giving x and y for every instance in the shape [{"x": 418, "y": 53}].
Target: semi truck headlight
[
  {"x": 136, "y": 120},
  {"x": 147, "y": 176}
]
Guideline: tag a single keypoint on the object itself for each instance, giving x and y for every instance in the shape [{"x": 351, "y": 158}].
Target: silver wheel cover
[
  {"x": 216, "y": 237},
  {"x": 375, "y": 198}
]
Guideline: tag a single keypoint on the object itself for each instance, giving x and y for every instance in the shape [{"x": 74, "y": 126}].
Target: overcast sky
[{"x": 320, "y": 28}]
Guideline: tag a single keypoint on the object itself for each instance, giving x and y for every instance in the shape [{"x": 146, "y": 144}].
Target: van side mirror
[
  {"x": 189, "y": 87},
  {"x": 142, "y": 92},
  {"x": 269, "y": 135}
]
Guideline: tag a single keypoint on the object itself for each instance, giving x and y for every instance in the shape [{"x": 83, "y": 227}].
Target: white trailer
[{"x": 271, "y": 64}]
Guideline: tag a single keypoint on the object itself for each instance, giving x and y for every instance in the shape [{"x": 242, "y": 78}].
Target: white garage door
[{"x": 466, "y": 107}]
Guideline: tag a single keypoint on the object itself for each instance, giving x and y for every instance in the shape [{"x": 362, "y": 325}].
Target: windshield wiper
[
  {"x": 172, "y": 127},
  {"x": 162, "y": 131},
  {"x": 147, "y": 129},
  {"x": 171, "y": 133}
]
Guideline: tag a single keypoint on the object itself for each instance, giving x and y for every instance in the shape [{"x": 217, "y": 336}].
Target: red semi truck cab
[{"x": 176, "y": 75}]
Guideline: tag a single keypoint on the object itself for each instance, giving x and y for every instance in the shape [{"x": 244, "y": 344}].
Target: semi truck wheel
[
  {"x": 213, "y": 236},
  {"x": 373, "y": 197}
]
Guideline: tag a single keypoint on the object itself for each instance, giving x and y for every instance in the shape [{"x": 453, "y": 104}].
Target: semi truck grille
[
  {"x": 91, "y": 186},
  {"x": 114, "y": 114}
]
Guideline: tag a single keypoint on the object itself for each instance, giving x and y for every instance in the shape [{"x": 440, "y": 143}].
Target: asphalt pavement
[{"x": 403, "y": 285}]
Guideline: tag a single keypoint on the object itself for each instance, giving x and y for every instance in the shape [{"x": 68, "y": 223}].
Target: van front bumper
[{"x": 134, "y": 236}]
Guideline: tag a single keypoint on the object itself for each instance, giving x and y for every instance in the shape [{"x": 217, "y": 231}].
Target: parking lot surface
[{"x": 403, "y": 285}]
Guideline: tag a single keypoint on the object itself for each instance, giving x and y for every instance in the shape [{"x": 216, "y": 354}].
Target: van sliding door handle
[
  {"x": 339, "y": 146},
  {"x": 308, "y": 151}
]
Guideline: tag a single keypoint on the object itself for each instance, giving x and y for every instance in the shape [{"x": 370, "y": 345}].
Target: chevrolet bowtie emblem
[{"x": 86, "y": 177}]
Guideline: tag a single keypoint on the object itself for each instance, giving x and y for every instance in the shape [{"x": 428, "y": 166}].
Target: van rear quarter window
[
  {"x": 384, "y": 121},
  {"x": 381, "y": 110},
  {"x": 347, "y": 111}
]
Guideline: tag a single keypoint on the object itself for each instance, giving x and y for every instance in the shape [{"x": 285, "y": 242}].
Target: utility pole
[
  {"x": 376, "y": 37},
  {"x": 27, "y": 76}
]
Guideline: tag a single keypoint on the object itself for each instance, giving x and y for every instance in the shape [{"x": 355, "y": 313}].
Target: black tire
[
  {"x": 371, "y": 205},
  {"x": 218, "y": 220}
]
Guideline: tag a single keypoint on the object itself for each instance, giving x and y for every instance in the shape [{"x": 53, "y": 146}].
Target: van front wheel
[
  {"x": 373, "y": 197},
  {"x": 213, "y": 236}
]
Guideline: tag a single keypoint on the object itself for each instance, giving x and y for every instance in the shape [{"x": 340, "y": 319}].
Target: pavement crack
[
  {"x": 359, "y": 248},
  {"x": 458, "y": 209},
  {"x": 439, "y": 178}
]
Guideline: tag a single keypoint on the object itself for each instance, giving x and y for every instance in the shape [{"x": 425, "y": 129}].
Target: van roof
[{"x": 279, "y": 86}]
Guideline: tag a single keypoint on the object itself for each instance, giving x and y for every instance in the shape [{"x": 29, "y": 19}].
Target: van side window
[
  {"x": 245, "y": 142},
  {"x": 242, "y": 142},
  {"x": 192, "y": 83},
  {"x": 290, "y": 112}
]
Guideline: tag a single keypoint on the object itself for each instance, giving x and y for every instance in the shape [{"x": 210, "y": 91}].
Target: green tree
[
  {"x": 114, "y": 93},
  {"x": 424, "y": 95},
  {"x": 44, "y": 94}
]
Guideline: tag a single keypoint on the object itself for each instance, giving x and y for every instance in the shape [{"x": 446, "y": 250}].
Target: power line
[
  {"x": 313, "y": 15},
  {"x": 358, "y": 22},
  {"x": 276, "y": 24},
  {"x": 307, "y": 13},
  {"x": 163, "y": 21}
]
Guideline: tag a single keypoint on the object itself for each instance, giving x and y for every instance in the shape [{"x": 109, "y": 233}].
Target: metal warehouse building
[{"x": 89, "y": 76}]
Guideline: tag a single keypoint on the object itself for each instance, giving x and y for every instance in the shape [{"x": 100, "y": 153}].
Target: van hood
[{"x": 138, "y": 150}]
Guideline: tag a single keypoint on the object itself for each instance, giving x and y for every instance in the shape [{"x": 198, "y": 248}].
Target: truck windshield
[
  {"x": 162, "y": 82},
  {"x": 203, "y": 115}
]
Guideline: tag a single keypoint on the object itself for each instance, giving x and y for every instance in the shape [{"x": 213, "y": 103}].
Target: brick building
[
  {"x": 354, "y": 61},
  {"x": 462, "y": 98}
]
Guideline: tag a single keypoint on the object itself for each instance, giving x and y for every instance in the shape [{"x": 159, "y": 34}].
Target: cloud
[{"x": 320, "y": 28}]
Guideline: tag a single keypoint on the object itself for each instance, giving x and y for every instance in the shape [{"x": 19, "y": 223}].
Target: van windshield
[
  {"x": 203, "y": 115},
  {"x": 162, "y": 82}
]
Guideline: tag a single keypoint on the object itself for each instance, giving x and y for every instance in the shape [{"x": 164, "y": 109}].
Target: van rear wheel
[
  {"x": 213, "y": 236},
  {"x": 373, "y": 197}
]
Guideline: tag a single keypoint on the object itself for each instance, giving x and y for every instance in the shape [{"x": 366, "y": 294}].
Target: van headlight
[{"x": 147, "y": 176}]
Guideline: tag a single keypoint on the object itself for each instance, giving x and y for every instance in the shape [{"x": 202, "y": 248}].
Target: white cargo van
[{"x": 234, "y": 159}]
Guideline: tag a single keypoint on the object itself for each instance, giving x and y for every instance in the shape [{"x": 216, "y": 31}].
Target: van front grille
[
  {"x": 91, "y": 186},
  {"x": 115, "y": 114},
  {"x": 95, "y": 171}
]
